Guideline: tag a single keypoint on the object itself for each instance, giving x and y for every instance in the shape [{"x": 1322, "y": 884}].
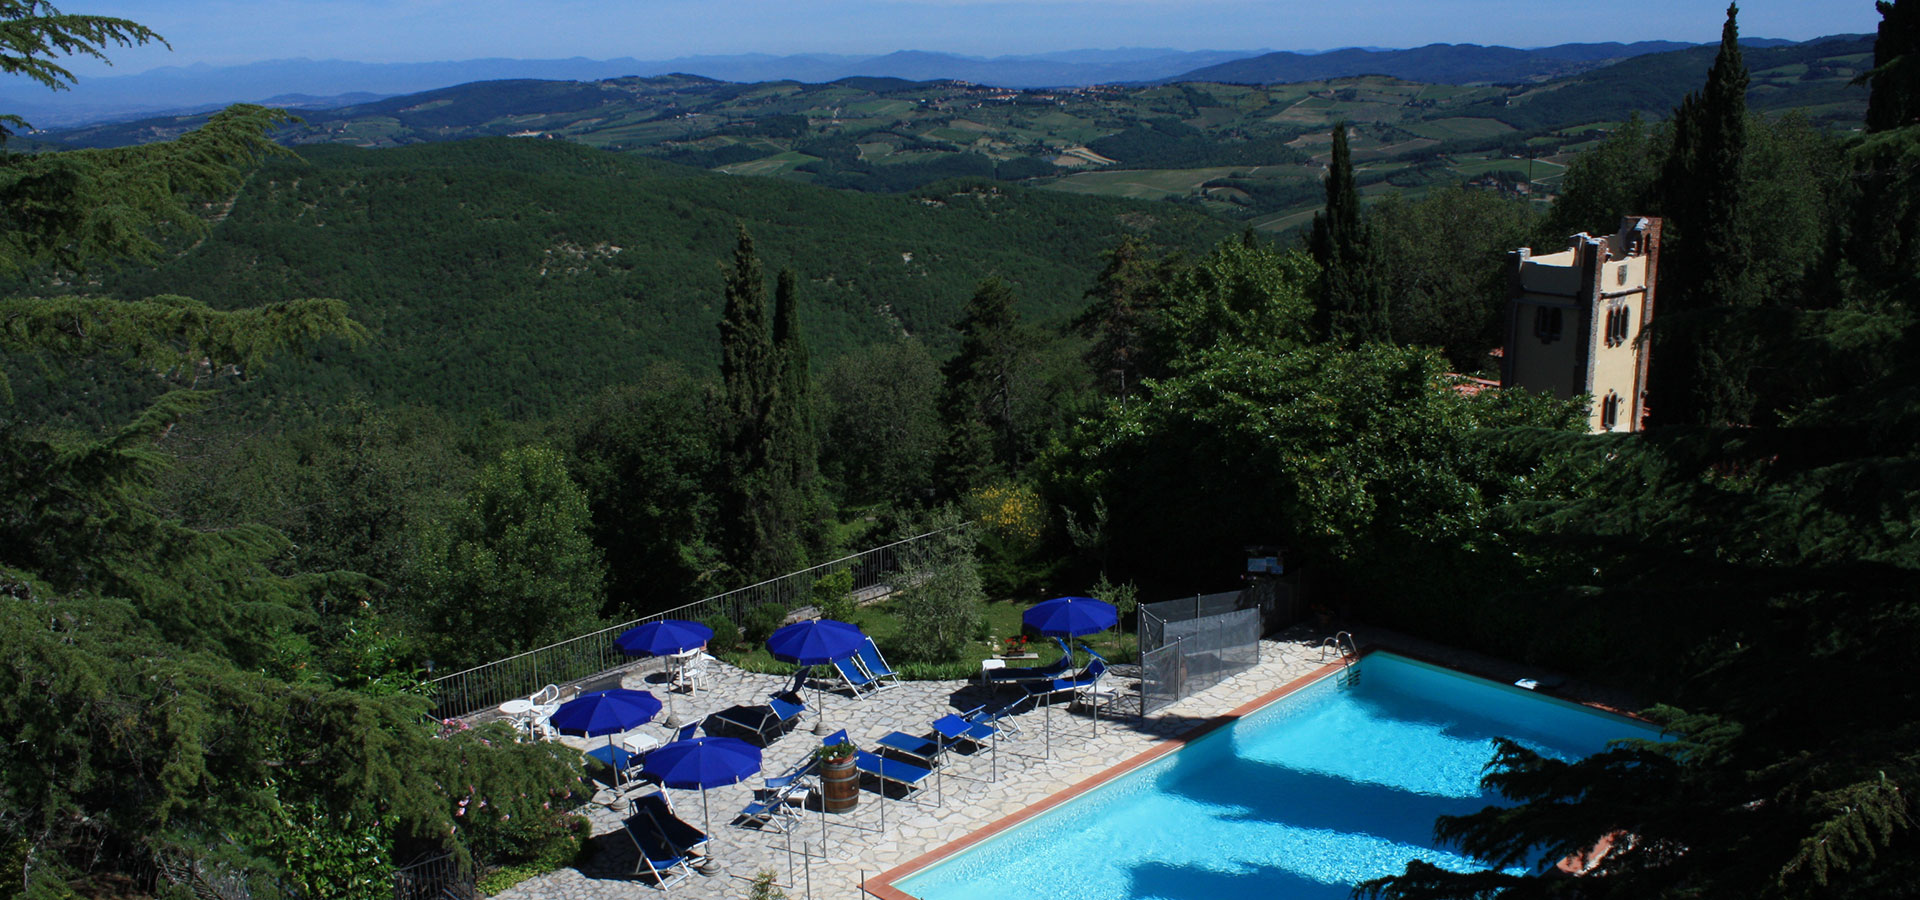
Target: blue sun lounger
[
  {"x": 980, "y": 727},
  {"x": 1034, "y": 673},
  {"x": 664, "y": 841},
  {"x": 1084, "y": 679},
  {"x": 922, "y": 748},
  {"x": 780, "y": 711},
  {"x": 856, "y": 677},
  {"x": 975, "y": 726},
  {"x": 769, "y": 810},
  {"x": 900, "y": 772},
  {"x": 876, "y": 666},
  {"x": 658, "y": 857},
  {"x": 615, "y": 757}
]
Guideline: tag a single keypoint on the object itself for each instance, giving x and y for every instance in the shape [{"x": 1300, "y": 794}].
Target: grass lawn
[
  {"x": 1460, "y": 127},
  {"x": 778, "y": 164},
  {"x": 1002, "y": 618},
  {"x": 1141, "y": 184}
]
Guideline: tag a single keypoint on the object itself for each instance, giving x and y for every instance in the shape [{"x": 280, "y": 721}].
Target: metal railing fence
[
  {"x": 589, "y": 655},
  {"x": 436, "y": 877}
]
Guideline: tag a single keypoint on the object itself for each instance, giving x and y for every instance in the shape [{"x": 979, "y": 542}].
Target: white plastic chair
[
  {"x": 691, "y": 671},
  {"x": 546, "y": 702}
]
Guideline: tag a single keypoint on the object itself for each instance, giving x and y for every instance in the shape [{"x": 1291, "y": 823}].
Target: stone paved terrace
[{"x": 854, "y": 845}]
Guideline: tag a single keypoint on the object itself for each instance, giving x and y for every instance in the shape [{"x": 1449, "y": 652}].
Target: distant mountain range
[
  {"x": 321, "y": 84},
  {"x": 1440, "y": 63},
  {"x": 182, "y": 90}
]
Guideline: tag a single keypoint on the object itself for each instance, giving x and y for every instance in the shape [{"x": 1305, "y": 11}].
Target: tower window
[
  {"x": 1618, "y": 320},
  {"x": 1610, "y": 411},
  {"x": 1547, "y": 322}
]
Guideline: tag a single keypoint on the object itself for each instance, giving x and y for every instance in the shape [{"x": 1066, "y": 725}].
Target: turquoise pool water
[{"x": 1323, "y": 788}]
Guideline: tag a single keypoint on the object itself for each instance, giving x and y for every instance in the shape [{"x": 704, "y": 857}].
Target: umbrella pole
[
  {"x": 619, "y": 774},
  {"x": 820, "y": 711},
  {"x": 673, "y": 715}
]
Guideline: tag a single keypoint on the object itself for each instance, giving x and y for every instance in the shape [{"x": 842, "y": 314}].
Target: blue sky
[{"x": 224, "y": 32}]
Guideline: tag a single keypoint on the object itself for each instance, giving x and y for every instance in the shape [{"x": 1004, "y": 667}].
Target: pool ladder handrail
[{"x": 1343, "y": 644}]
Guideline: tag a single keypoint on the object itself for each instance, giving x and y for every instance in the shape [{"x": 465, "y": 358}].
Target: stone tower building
[{"x": 1577, "y": 319}]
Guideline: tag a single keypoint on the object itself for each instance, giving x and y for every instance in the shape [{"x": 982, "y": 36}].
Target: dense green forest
[
  {"x": 512, "y": 276},
  {"x": 238, "y": 520}
]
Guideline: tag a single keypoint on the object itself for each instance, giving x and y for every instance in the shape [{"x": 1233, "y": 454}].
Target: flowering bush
[
  {"x": 1012, "y": 511},
  {"x": 1013, "y": 524}
]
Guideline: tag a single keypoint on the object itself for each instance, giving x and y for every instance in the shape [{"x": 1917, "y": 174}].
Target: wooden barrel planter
[{"x": 839, "y": 785}]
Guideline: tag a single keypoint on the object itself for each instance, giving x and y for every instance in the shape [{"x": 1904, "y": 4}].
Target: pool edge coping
[{"x": 881, "y": 885}]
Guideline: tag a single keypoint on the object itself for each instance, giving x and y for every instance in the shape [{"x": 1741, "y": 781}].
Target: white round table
[{"x": 518, "y": 711}]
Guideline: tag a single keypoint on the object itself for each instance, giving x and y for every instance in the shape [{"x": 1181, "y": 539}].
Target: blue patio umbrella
[
  {"x": 662, "y": 638},
  {"x": 606, "y": 712},
  {"x": 1070, "y": 616},
  {"x": 703, "y": 763},
  {"x": 813, "y": 643}
]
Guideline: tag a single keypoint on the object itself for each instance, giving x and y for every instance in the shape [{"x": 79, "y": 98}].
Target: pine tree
[
  {"x": 977, "y": 405},
  {"x": 1118, "y": 316},
  {"x": 1699, "y": 373},
  {"x": 164, "y": 699},
  {"x": 1353, "y": 303}
]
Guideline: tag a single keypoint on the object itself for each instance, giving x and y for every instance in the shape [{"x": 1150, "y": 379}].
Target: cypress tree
[
  {"x": 745, "y": 355},
  {"x": 793, "y": 449},
  {"x": 1353, "y": 304},
  {"x": 1895, "y": 79},
  {"x": 1885, "y": 239},
  {"x": 1700, "y": 358},
  {"x": 746, "y": 373}
]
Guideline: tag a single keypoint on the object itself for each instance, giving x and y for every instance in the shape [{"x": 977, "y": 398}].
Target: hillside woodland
[{"x": 548, "y": 386}]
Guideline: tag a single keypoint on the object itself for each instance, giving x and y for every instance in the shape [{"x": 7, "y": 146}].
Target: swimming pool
[{"x": 1323, "y": 788}]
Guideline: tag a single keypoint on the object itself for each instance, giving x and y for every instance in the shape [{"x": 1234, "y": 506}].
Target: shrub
[
  {"x": 551, "y": 849},
  {"x": 942, "y": 610},
  {"x": 764, "y": 888},
  {"x": 833, "y": 595},
  {"x": 726, "y": 635},
  {"x": 1124, "y": 597},
  {"x": 939, "y": 671},
  {"x": 763, "y": 621},
  {"x": 1013, "y": 522}
]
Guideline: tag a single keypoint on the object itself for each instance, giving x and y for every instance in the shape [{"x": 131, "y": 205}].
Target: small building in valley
[{"x": 1577, "y": 321}]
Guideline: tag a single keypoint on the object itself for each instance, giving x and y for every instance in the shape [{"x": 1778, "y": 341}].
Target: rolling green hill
[
  {"x": 517, "y": 275},
  {"x": 1250, "y": 152}
]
